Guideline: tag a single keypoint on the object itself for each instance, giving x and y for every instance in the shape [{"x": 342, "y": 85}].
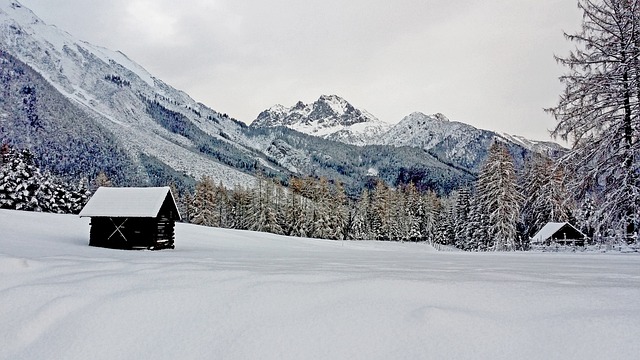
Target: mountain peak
[
  {"x": 331, "y": 116},
  {"x": 440, "y": 117}
]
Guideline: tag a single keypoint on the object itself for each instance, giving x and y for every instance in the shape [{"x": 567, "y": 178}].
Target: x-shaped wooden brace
[{"x": 117, "y": 230}]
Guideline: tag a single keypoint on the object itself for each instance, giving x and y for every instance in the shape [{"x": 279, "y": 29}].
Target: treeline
[{"x": 501, "y": 212}]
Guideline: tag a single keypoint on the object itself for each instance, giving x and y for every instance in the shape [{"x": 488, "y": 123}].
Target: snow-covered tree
[
  {"x": 414, "y": 209},
  {"x": 263, "y": 215},
  {"x": 498, "y": 199},
  {"x": 545, "y": 196},
  {"x": 24, "y": 187},
  {"x": 599, "y": 111},
  {"x": 296, "y": 209},
  {"x": 461, "y": 217},
  {"x": 428, "y": 213},
  {"x": 204, "y": 202},
  {"x": 444, "y": 230},
  {"x": 240, "y": 206},
  {"x": 338, "y": 212},
  {"x": 221, "y": 206},
  {"x": 381, "y": 212},
  {"x": 322, "y": 227},
  {"x": 360, "y": 230}
]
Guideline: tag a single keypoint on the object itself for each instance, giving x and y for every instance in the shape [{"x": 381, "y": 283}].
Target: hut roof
[
  {"x": 550, "y": 229},
  {"x": 127, "y": 202}
]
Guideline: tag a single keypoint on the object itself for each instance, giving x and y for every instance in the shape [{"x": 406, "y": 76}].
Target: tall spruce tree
[
  {"x": 599, "y": 111},
  {"x": 498, "y": 200},
  {"x": 461, "y": 218}
]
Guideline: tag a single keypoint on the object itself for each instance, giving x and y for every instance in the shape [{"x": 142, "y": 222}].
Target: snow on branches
[
  {"x": 599, "y": 111},
  {"x": 24, "y": 187}
]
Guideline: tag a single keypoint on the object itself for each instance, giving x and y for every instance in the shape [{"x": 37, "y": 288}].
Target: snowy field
[{"x": 225, "y": 294}]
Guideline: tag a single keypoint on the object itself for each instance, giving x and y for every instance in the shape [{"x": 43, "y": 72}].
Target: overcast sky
[{"x": 487, "y": 63}]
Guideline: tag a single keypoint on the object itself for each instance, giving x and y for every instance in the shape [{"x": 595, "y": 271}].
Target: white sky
[{"x": 487, "y": 63}]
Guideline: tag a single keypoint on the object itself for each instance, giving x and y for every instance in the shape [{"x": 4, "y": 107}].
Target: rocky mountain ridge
[{"x": 330, "y": 117}]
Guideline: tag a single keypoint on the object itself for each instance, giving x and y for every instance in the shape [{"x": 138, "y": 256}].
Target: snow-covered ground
[{"x": 224, "y": 294}]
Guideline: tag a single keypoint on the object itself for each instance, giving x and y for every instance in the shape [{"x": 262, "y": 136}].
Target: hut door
[{"x": 118, "y": 229}]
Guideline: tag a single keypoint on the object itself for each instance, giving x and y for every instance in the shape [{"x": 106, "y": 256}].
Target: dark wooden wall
[{"x": 132, "y": 233}]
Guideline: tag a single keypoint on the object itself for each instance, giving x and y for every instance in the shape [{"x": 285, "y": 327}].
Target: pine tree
[
  {"x": 599, "y": 111},
  {"x": 428, "y": 213},
  {"x": 498, "y": 200},
  {"x": 360, "y": 229},
  {"x": 461, "y": 217},
  {"x": 414, "y": 209},
  {"x": 24, "y": 187}
]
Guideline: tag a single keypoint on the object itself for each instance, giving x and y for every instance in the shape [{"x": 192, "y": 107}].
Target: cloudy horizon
[{"x": 488, "y": 64}]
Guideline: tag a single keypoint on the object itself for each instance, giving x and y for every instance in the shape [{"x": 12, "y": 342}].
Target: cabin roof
[
  {"x": 127, "y": 202},
  {"x": 549, "y": 229}
]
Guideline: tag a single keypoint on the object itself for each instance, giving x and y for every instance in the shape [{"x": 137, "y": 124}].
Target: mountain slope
[
  {"x": 457, "y": 143},
  {"x": 147, "y": 116},
  {"x": 330, "y": 117},
  {"x": 90, "y": 102},
  {"x": 454, "y": 142}
]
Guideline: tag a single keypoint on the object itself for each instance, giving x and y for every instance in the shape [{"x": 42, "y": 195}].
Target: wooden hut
[
  {"x": 132, "y": 218},
  {"x": 560, "y": 233}
]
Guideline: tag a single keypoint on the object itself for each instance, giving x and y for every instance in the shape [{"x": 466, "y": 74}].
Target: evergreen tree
[
  {"x": 444, "y": 229},
  {"x": 430, "y": 206},
  {"x": 461, "y": 217},
  {"x": 498, "y": 199},
  {"x": 24, "y": 187},
  {"x": 296, "y": 210},
  {"x": 413, "y": 205},
  {"x": 599, "y": 111}
]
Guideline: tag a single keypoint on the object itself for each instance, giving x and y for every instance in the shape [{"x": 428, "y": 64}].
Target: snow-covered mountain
[
  {"x": 455, "y": 142},
  {"x": 330, "y": 117},
  {"x": 83, "y": 109},
  {"x": 146, "y": 116}
]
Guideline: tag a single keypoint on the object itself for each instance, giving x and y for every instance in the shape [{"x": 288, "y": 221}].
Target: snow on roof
[
  {"x": 126, "y": 202},
  {"x": 548, "y": 230}
]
